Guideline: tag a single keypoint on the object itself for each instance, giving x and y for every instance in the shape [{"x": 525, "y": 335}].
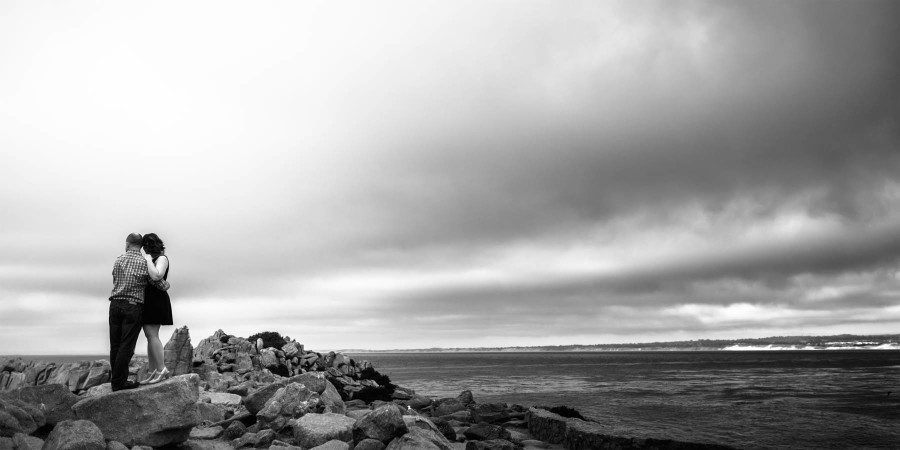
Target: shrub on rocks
[
  {"x": 316, "y": 429},
  {"x": 75, "y": 435}
]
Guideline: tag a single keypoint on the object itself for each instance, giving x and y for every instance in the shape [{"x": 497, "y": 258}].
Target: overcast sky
[{"x": 415, "y": 174}]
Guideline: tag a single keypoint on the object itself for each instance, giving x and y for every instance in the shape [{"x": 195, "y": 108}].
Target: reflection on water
[{"x": 785, "y": 400}]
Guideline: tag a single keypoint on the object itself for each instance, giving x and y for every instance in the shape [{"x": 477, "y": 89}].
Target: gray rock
[
  {"x": 369, "y": 444},
  {"x": 466, "y": 398},
  {"x": 196, "y": 444},
  {"x": 178, "y": 354},
  {"x": 449, "y": 406},
  {"x": 256, "y": 400},
  {"x": 261, "y": 439},
  {"x": 75, "y": 435},
  {"x": 289, "y": 402},
  {"x": 166, "y": 411},
  {"x": 419, "y": 402},
  {"x": 210, "y": 412},
  {"x": 25, "y": 442},
  {"x": 484, "y": 431},
  {"x": 314, "y": 381},
  {"x": 14, "y": 418},
  {"x": 279, "y": 445},
  {"x": 333, "y": 445},
  {"x": 489, "y": 412},
  {"x": 445, "y": 428},
  {"x": 6, "y": 443},
  {"x": 207, "y": 432},
  {"x": 115, "y": 445},
  {"x": 492, "y": 444},
  {"x": 384, "y": 423},
  {"x": 235, "y": 430},
  {"x": 419, "y": 439},
  {"x": 422, "y": 430},
  {"x": 357, "y": 413},
  {"x": 316, "y": 429},
  {"x": 331, "y": 399}
]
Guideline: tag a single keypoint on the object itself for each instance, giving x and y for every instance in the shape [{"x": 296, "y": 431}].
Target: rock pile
[{"x": 240, "y": 394}]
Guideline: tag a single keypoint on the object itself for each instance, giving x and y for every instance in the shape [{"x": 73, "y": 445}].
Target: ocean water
[{"x": 750, "y": 399}]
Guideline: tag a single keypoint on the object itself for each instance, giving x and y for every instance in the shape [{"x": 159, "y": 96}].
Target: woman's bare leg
[{"x": 154, "y": 347}]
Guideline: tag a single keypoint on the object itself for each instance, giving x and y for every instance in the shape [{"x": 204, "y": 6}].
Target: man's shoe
[{"x": 126, "y": 385}]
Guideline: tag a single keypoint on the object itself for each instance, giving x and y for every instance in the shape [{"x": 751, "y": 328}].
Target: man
[{"x": 126, "y": 305}]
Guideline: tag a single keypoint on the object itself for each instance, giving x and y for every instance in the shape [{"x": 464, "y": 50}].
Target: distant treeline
[{"x": 699, "y": 344}]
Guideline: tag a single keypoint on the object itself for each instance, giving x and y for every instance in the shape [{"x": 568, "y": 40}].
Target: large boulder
[
  {"x": 383, "y": 423},
  {"x": 75, "y": 435},
  {"x": 256, "y": 400},
  {"x": 289, "y": 402},
  {"x": 165, "y": 411},
  {"x": 178, "y": 353},
  {"x": 484, "y": 431},
  {"x": 313, "y": 430},
  {"x": 98, "y": 373},
  {"x": 420, "y": 439},
  {"x": 314, "y": 381},
  {"x": 19, "y": 417},
  {"x": 331, "y": 399},
  {"x": 54, "y": 400}
]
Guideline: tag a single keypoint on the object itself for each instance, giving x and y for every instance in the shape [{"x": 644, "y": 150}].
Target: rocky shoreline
[{"x": 231, "y": 393}]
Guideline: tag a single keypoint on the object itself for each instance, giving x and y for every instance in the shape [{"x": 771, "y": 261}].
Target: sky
[{"x": 389, "y": 175}]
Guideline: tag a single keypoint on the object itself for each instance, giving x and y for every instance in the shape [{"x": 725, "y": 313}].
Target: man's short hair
[{"x": 134, "y": 239}]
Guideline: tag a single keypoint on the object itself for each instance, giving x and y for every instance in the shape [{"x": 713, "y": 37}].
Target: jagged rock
[
  {"x": 75, "y": 435},
  {"x": 289, "y": 402},
  {"x": 484, "y": 431},
  {"x": 221, "y": 398},
  {"x": 12, "y": 380},
  {"x": 331, "y": 400},
  {"x": 420, "y": 439},
  {"x": 448, "y": 406},
  {"x": 491, "y": 444},
  {"x": 178, "y": 353},
  {"x": 419, "y": 402},
  {"x": 25, "y": 442},
  {"x": 17, "y": 417},
  {"x": 333, "y": 445},
  {"x": 279, "y": 445},
  {"x": 243, "y": 363},
  {"x": 97, "y": 391},
  {"x": 316, "y": 429},
  {"x": 209, "y": 346},
  {"x": 426, "y": 430},
  {"x": 291, "y": 349},
  {"x": 241, "y": 389},
  {"x": 115, "y": 445},
  {"x": 268, "y": 359},
  {"x": 166, "y": 411},
  {"x": 489, "y": 412},
  {"x": 235, "y": 430},
  {"x": 197, "y": 444},
  {"x": 369, "y": 444},
  {"x": 466, "y": 398},
  {"x": 38, "y": 373},
  {"x": 53, "y": 399},
  {"x": 383, "y": 423},
  {"x": 256, "y": 400},
  {"x": 210, "y": 412},
  {"x": 261, "y": 439},
  {"x": 314, "y": 381},
  {"x": 98, "y": 374},
  {"x": 207, "y": 433},
  {"x": 444, "y": 428}
]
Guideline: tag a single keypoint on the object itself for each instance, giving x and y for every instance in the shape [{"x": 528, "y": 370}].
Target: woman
[{"x": 157, "y": 306}]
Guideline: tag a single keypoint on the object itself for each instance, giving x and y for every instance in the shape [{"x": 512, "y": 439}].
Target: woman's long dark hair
[{"x": 153, "y": 245}]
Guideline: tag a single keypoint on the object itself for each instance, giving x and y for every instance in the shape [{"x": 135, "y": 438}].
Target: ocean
[
  {"x": 749, "y": 399},
  {"x": 845, "y": 399}
]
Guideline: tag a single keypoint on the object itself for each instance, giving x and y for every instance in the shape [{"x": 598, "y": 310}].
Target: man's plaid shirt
[{"x": 129, "y": 277}]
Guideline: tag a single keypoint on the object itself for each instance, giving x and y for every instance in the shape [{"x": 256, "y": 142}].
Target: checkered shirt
[{"x": 129, "y": 277}]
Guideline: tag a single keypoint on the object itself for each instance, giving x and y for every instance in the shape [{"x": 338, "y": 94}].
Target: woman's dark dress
[{"x": 157, "y": 306}]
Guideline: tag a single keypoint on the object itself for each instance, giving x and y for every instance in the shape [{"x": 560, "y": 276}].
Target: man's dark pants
[{"x": 124, "y": 329}]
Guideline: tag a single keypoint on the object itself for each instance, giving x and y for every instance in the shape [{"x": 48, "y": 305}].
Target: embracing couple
[{"x": 138, "y": 301}]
